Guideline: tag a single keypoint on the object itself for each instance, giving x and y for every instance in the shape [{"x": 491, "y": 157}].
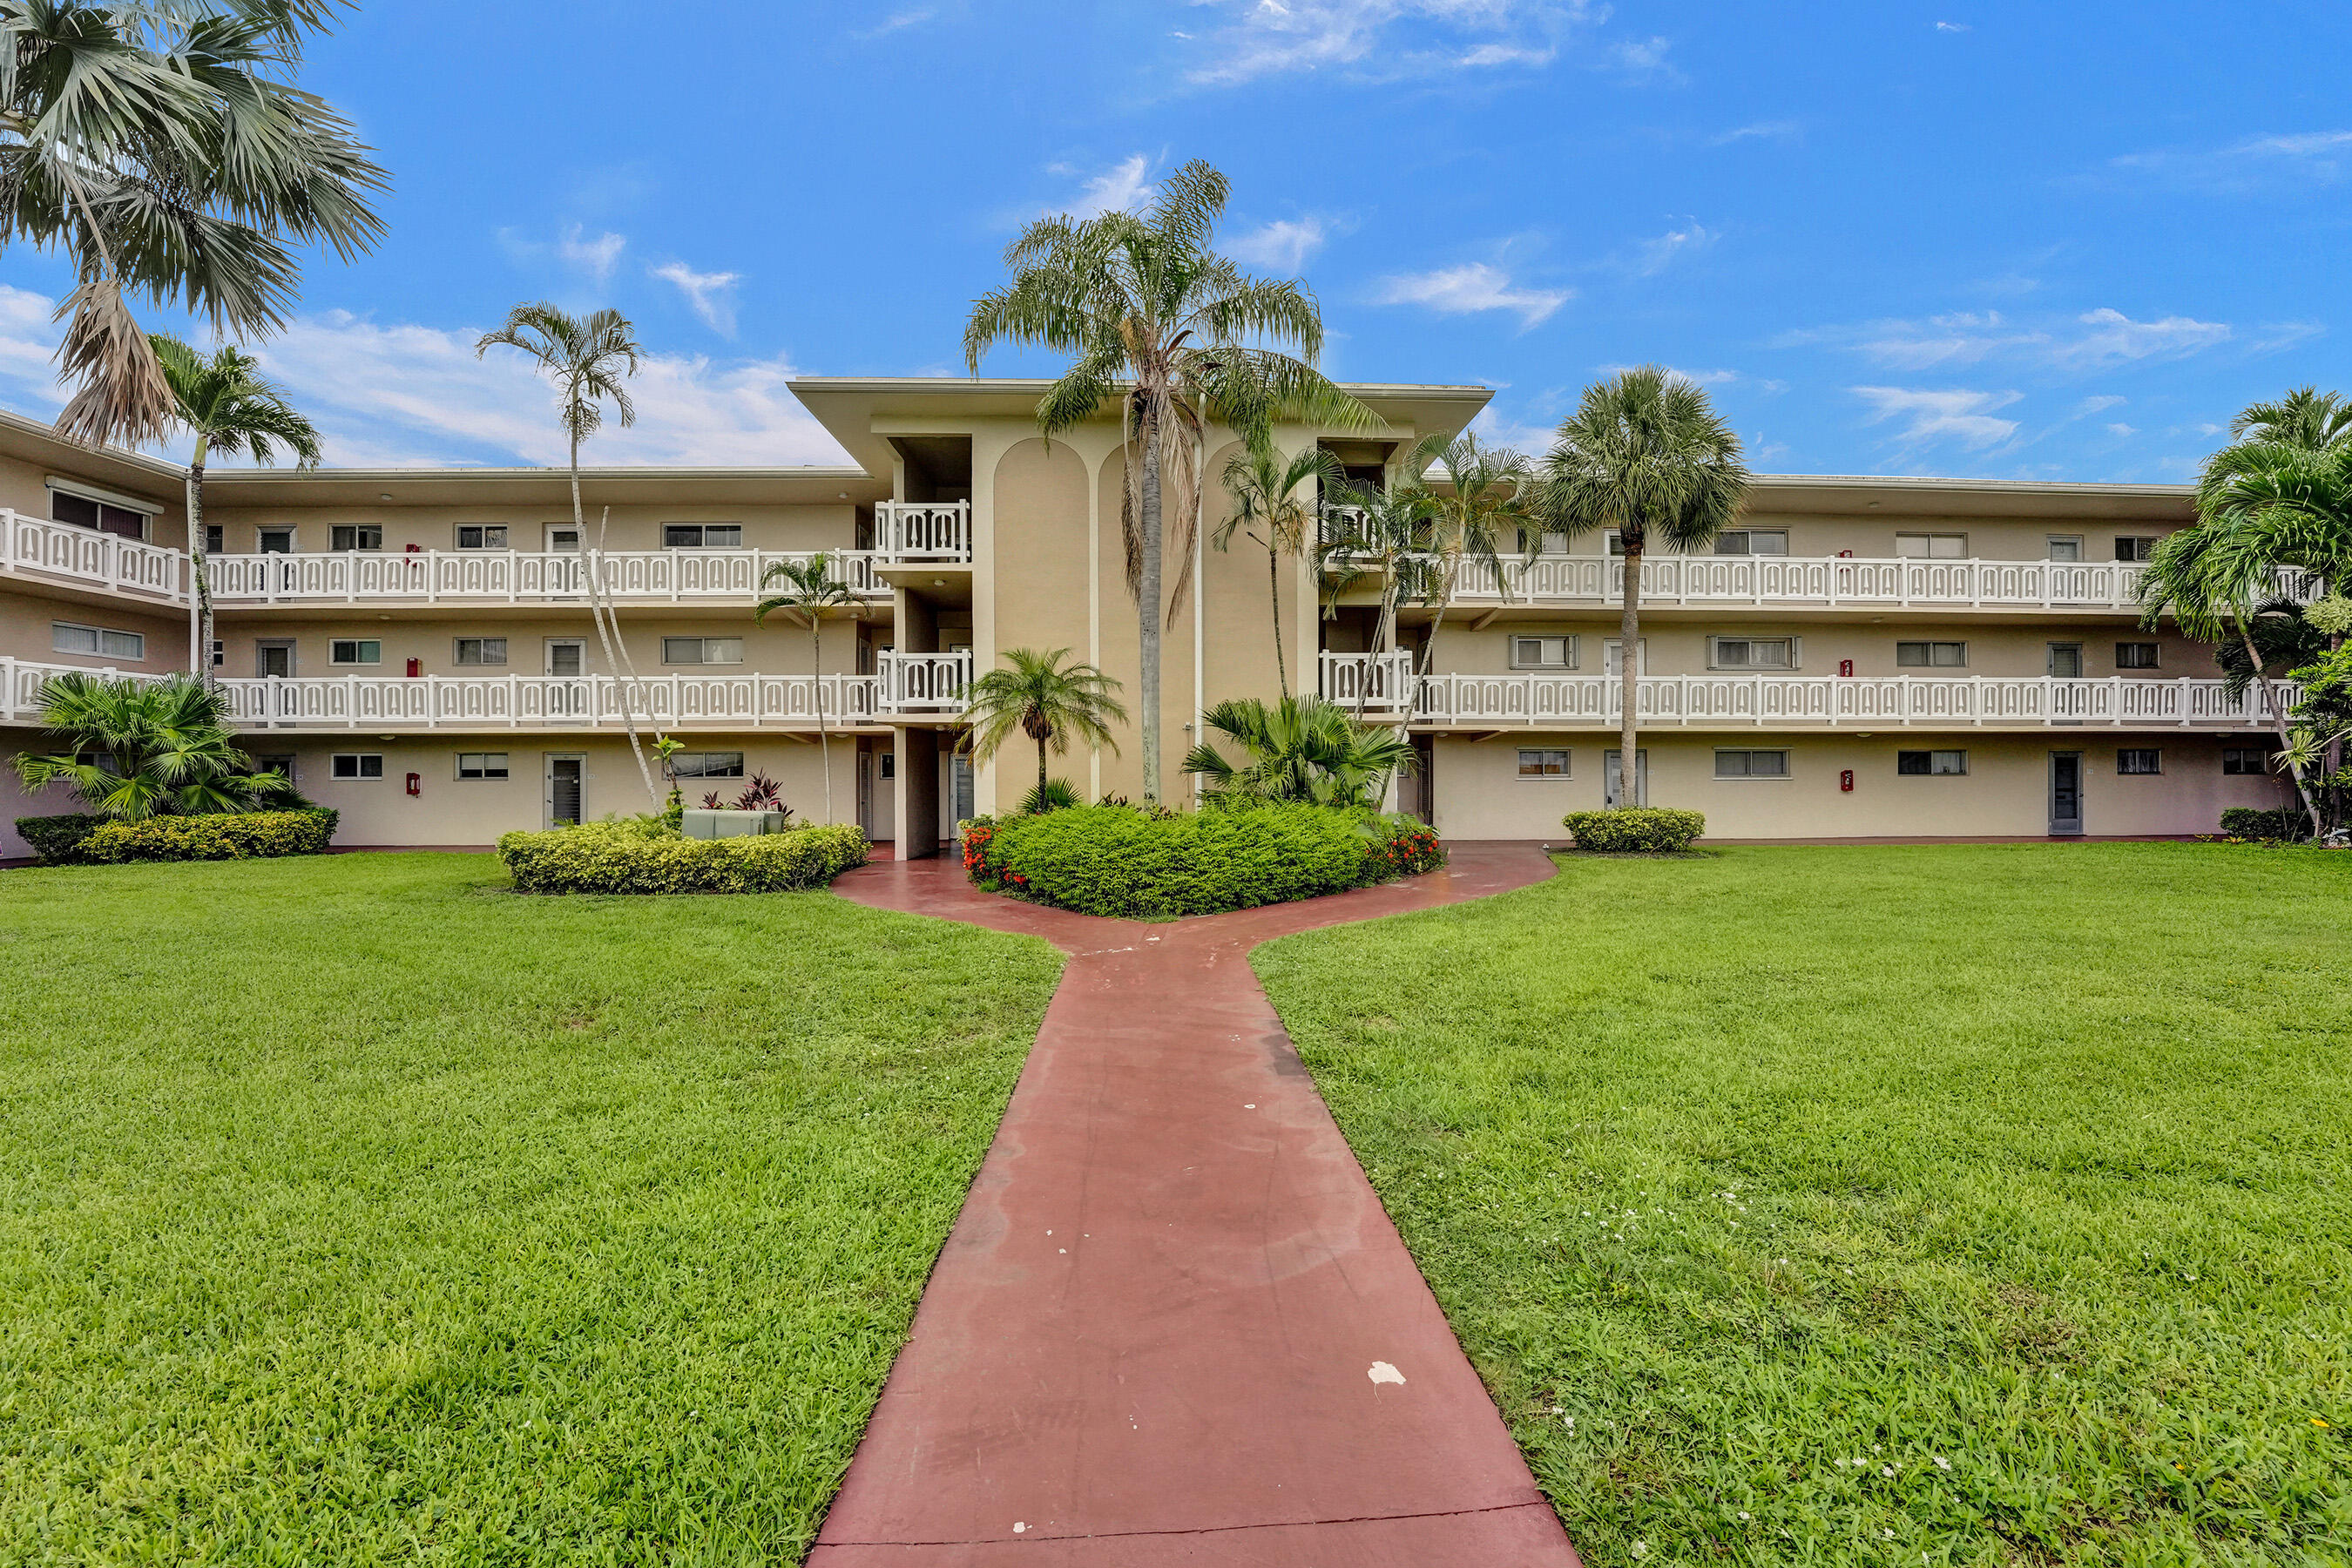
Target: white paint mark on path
[{"x": 1383, "y": 1373}]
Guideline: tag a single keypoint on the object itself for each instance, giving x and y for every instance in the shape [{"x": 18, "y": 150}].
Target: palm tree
[
  {"x": 225, "y": 402},
  {"x": 1487, "y": 502},
  {"x": 158, "y": 748},
  {"x": 1275, "y": 504},
  {"x": 1386, "y": 537},
  {"x": 809, "y": 590},
  {"x": 1301, "y": 749},
  {"x": 1044, "y": 699},
  {"x": 1180, "y": 339},
  {"x": 589, "y": 358},
  {"x": 1645, "y": 454},
  {"x": 2305, "y": 418},
  {"x": 163, "y": 145}
]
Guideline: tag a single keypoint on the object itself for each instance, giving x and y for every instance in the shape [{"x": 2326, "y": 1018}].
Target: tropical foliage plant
[
  {"x": 1485, "y": 509},
  {"x": 136, "y": 749},
  {"x": 165, "y": 151},
  {"x": 1040, "y": 695},
  {"x": 1179, "y": 340},
  {"x": 1301, "y": 750},
  {"x": 1275, "y": 504},
  {"x": 1646, "y": 455},
  {"x": 1054, "y": 794},
  {"x": 1387, "y": 538},
  {"x": 807, "y": 589}
]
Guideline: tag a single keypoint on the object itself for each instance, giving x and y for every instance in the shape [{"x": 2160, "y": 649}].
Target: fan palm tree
[
  {"x": 1044, "y": 699},
  {"x": 591, "y": 358},
  {"x": 1301, "y": 749},
  {"x": 809, "y": 589},
  {"x": 224, "y": 402},
  {"x": 1276, "y": 505},
  {"x": 1181, "y": 340},
  {"x": 1645, "y": 454},
  {"x": 163, "y": 147},
  {"x": 136, "y": 749}
]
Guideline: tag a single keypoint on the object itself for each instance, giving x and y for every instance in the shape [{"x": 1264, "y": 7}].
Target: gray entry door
[
  {"x": 1610, "y": 777},
  {"x": 567, "y": 779},
  {"x": 2065, "y": 792}
]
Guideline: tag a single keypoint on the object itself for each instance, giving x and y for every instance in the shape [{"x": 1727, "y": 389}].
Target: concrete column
[{"x": 916, "y": 803}]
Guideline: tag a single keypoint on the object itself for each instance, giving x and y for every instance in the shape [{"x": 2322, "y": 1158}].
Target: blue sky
[{"x": 2002, "y": 240}]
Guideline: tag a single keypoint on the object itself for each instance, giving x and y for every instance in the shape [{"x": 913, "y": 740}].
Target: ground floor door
[
  {"x": 2065, "y": 791},
  {"x": 960, "y": 789},
  {"x": 1612, "y": 771},
  {"x": 567, "y": 785},
  {"x": 1417, "y": 790}
]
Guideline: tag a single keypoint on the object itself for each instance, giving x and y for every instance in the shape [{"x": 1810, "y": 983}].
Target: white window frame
[
  {"x": 677, "y": 765},
  {"x": 547, "y": 662},
  {"x": 1567, "y": 763},
  {"x": 1570, "y": 644},
  {"x": 147, "y": 511},
  {"x": 262, "y": 531},
  {"x": 1931, "y": 645},
  {"x": 706, "y": 660},
  {"x": 482, "y": 773},
  {"x": 2155, "y": 660},
  {"x": 358, "y": 761},
  {"x": 2155, "y": 752},
  {"x": 1746, "y": 537},
  {"x": 1641, "y": 658},
  {"x": 2142, "y": 545},
  {"x": 2234, "y": 754},
  {"x": 358, "y": 531},
  {"x": 133, "y": 648},
  {"x": 1928, "y": 541},
  {"x": 1935, "y": 769},
  {"x": 1715, "y": 657},
  {"x": 457, "y": 653},
  {"x": 457, "y": 535},
  {"x": 354, "y": 643},
  {"x": 2050, "y": 661},
  {"x": 2052, "y": 541},
  {"x": 1787, "y": 770},
  {"x": 701, "y": 536}
]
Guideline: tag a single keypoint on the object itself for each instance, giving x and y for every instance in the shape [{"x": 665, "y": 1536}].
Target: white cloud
[
  {"x": 2291, "y": 158},
  {"x": 1493, "y": 429},
  {"x": 711, "y": 293},
  {"x": 1703, "y": 377},
  {"x": 1381, "y": 39},
  {"x": 1282, "y": 245},
  {"x": 1472, "y": 288},
  {"x": 1935, "y": 416},
  {"x": 1762, "y": 129},
  {"x": 1115, "y": 189},
  {"x": 2096, "y": 340},
  {"x": 2097, "y": 404},
  {"x": 1645, "y": 59},
  {"x": 896, "y": 23},
  {"x": 1508, "y": 55},
  {"x": 2123, "y": 430},
  {"x": 594, "y": 257},
  {"x": 420, "y": 392},
  {"x": 2114, "y": 338},
  {"x": 1951, "y": 27},
  {"x": 2273, "y": 336},
  {"x": 28, "y": 339},
  {"x": 1654, "y": 256}
]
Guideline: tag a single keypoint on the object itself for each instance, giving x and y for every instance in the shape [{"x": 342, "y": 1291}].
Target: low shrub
[
  {"x": 1132, "y": 864},
  {"x": 227, "y": 835},
  {"x": 624, "y": 858},
  {"x": 2237, "y": 822},
  {"x": 57, "y": 839},
  {"x": 1635, "y": 830},
  {"x": 1054, "y": 794}
]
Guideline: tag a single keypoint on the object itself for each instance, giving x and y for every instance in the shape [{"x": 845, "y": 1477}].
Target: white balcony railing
[
  {"x": 932, "y": 533},
  {"x": 62, "y": 552},
  {"x": 1806, "y": 700},
  {"x": 546, "y": 701},
  {"x": 21, "y": 681},
  {"x": 924, "y": 682},
  {"x": 1368, "y": 683},
  {"x": 511, "y": 577}
]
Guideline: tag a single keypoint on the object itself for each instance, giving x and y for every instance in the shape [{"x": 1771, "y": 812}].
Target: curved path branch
[{"x": 1172, "y": 1323}]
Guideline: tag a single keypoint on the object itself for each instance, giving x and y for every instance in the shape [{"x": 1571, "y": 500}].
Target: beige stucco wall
[
  {"x": 831, "y": 527},
  {"x": 26, "y": 615},
  {"x": 1989, "y": 538},
  {"x": 781, "y": 646},
  {"x": 23, "y": 487}
]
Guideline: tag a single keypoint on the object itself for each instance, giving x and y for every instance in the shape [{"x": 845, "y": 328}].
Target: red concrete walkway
[{"x": 1172, "y": 1323}]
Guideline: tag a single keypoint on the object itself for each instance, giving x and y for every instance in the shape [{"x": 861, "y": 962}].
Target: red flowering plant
[
  {"x": 1400, "y": 847},
  {"x": 984, "y": 871}
]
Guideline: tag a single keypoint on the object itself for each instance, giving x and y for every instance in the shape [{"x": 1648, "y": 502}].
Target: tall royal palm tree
[
  {"x": 1277, "y": 504},
  {"x": 1044, "y": 699},
  {"x": 1646, "y": 455},
  {"x": 136, "y": 749},
  {"x": 163, "y": 146},
  {"x": 224, "y": 402},
  {"x": 591, "y": 358},
  {"x": 1300, "y": 749},
  {"x": 808, "y": 589},
  {"x": 1181, "y": 340}
]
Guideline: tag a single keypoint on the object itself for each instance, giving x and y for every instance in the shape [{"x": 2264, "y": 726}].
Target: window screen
[
  {"x": 1931, "y": 654},
  {"x": 360, "y": 765},
  {"x": 1931, "y": 761},
  {"x": 1755, "y": 653},
  {"x": 1750, "y": 764},
  {"x": 1542, "y": 765},
  {"x": 2139, "y": 760}
]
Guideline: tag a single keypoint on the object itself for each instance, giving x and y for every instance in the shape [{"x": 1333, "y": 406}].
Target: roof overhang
[
  {"x": 543, "y": 487},
  {"x": 1900, "y": 497},
  {"x": 150, "y": 480}
]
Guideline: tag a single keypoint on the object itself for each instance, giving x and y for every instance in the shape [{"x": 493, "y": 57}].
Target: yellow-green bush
[
  {"x": 1635, "y": 830},
  {"x": 625, "y": 857},
  {"x": 227, "y": 835}
]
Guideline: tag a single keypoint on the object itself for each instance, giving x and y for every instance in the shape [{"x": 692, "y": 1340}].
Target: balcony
[
  {"x": 547, "y": 702},
  {"x": 37, "y": 549},
  {"x": 465, "y": 577},
  {"x": 915, "y": 683},
  {"x": 21, "y": 681},
  {"x": 1377, "y": 683},
  {"x": 928, "y": 533}
]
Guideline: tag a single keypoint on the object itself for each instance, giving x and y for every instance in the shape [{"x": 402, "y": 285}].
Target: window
[
  {"x": 1753, "y": 653},
  {"x": 565, "y": 656},
  {"x": 480, "y": 764},
  {"x": 889, "y": 764},
  {"x": 1542, "y": 765},
  {"x": 220, "y": 653},
  {"x": 66, "y": 636},
  {"x": 276, "y": 763},
  {"x": 1931, "y": 761},
  {"x": 481, "y": 650},
  {"x": 1931, "y": 654},
  {"x": 357, "y": 765},
  {"x": 354, "y": 650},
  {"x": 702, "y": 536},
  {"x": 89, "y": 511},
  {"x": 1546, "y": 543},
  {"x": 707, "y": 765},
  {"x": 2065, "y": 547},
  {"x": 213, "y": 542},
  {"x": 274, "y": 540},
  {"x": 2066, "y": 660},
  {"x": 2134, "y": 656},
  {"x": 1932, "y": 546},
  {"x": 702, "y": 650},
  {"x": 2139, "y": 760},
  {"x": 1751, "y": 764},
  {"x": 481, "y": 536},
  {"x": 1752, "y": 542},
  {"x": 1543, "y": 653},
  {"x": 2134, "y": 547},
  {"x": 2245, "y": 758},
  {"x": 355, "y": 536}
]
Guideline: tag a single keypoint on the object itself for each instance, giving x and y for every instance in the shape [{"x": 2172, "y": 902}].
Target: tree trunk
[
  {"x": 1273, "y": 593},
  {"x": 2278, "y": 716},
  {"x": 1040, "y": 772},
  {"x": 816, "y": 687},
  {"x": 200, "y": 599},
  {"x": 1629, "y": 677},
  {"x": 1147, "y": 606},
  {"x": 596, "y": 598}
]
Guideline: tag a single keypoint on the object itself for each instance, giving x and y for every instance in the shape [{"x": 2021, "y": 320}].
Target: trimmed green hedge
[
  {"x": 2248, "y": 822},
  {"x": 624, "y": 858},
  {"x": 1135, "y": 864},
  {"x": 82, "y": 839},
  {"x": 1635, "y": 830}
]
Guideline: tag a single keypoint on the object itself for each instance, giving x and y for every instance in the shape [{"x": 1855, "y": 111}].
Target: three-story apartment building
[{"x": 1862, "y": 657}]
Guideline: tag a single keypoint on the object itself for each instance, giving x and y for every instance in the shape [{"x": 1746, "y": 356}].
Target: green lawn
[
  {"x": 1954, "y": 1205},
  {"x": 355, "y": 1210}
]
